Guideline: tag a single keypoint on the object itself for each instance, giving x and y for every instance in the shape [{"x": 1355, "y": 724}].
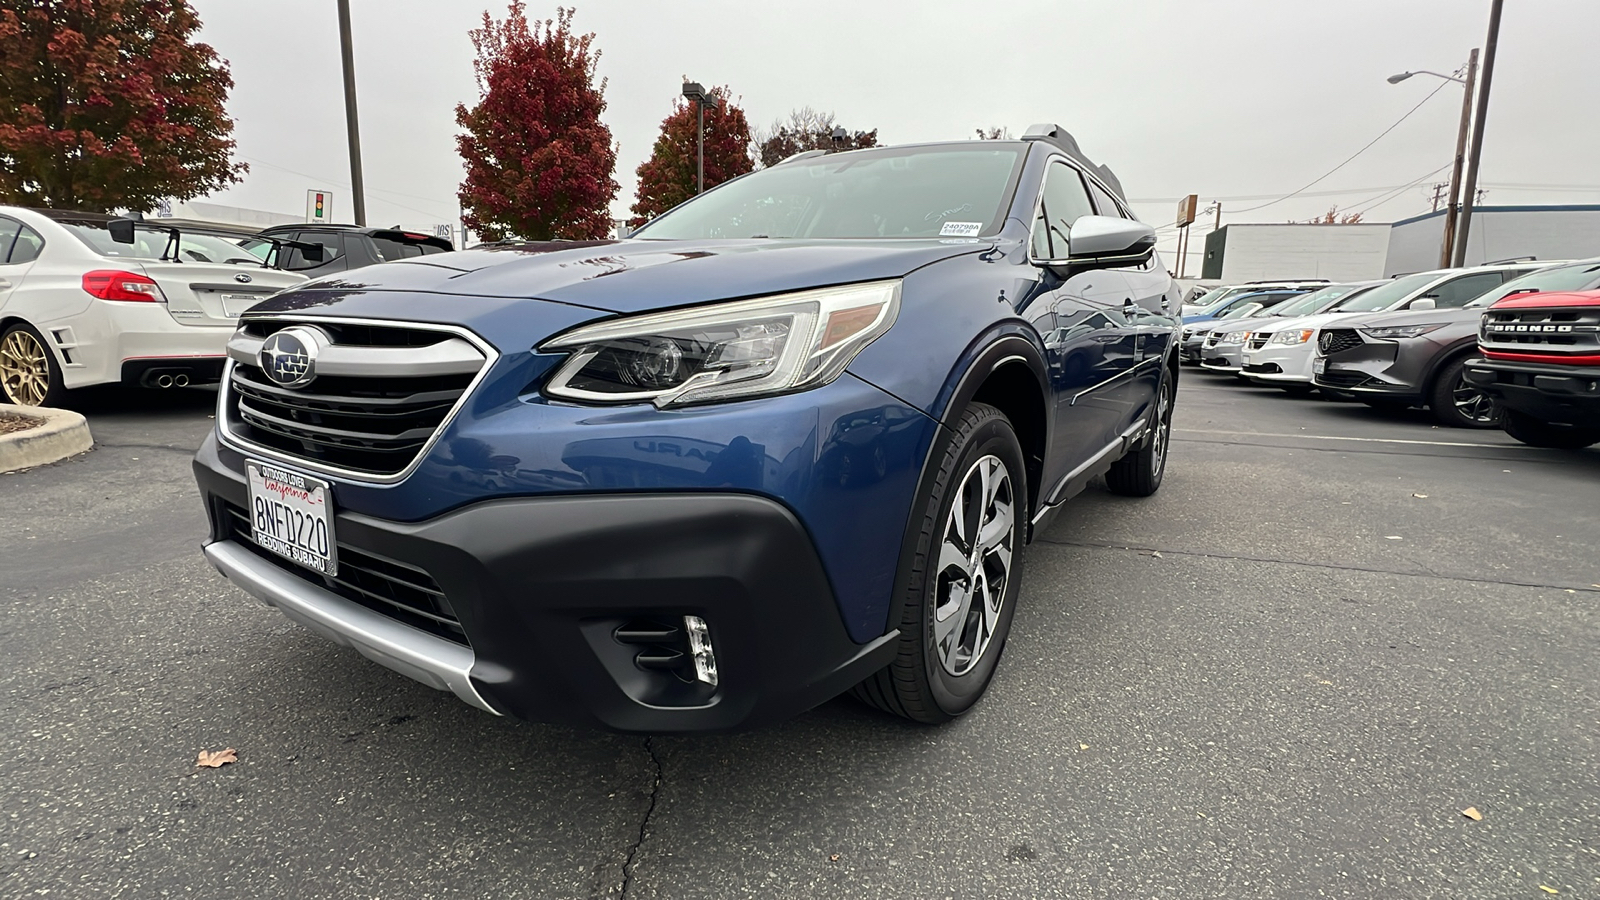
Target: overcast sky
[{"x": 1238, "y": 100}]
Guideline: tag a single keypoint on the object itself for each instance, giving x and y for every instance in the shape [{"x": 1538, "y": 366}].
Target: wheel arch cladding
[{"x": 1013, "y": 388}]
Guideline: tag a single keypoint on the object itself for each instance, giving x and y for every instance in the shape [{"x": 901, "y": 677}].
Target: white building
[
  {"x": 1498, "y": 232},
  {"x": 1238, "y": 253}
]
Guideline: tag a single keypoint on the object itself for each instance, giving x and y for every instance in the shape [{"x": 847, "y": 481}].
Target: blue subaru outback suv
[{"x": 787, "y": 441}]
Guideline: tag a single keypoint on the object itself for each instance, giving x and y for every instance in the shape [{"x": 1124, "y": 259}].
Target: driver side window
[{"x": 1062, "y": 201}]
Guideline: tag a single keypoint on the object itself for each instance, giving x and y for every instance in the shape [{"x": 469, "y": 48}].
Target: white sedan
[{"x": 78, "y": 307}]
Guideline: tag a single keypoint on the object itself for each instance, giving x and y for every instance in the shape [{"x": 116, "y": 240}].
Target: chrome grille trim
[
  {"x": 225, "y": 395},
  {"x": 452, "y": 356}
]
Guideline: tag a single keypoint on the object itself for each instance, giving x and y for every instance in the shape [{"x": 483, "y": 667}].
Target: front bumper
[
  {"x": 1223, "y": 358},
  {"x": 543, "y": 588},
  {"x": 1552, "y": 393},
  {"x": 1279, "y": 363},
  {"x": 1373, "y": 369}
]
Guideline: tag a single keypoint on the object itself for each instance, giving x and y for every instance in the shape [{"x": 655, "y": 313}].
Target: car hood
[
  {"x": 639, "y": 275},
  {"x": 1414, "y": 317}
]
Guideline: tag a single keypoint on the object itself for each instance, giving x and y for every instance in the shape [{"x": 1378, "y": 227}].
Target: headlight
[
  {"x": 1299, "y": 336},
  {"x": 1234, "y": 337},
  {"x": 770, "y": 345},
  {"x": 1391, "y": 332}
]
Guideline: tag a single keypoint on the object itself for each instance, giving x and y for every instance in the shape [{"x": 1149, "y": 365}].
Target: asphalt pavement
[{"x": 1286, "y": 675}]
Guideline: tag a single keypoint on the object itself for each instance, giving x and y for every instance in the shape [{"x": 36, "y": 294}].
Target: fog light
[{"x": 705, "y": 660}]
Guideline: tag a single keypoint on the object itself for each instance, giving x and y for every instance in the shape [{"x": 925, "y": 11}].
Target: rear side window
[
  {"x": 429, "y": 249},
  {"x": 332, "y": 248},
  {"x": 1104, "y": 203},
  {"x": 27, "y": 247},
  {"x": 1455, "y": 294},
  {"x": 1063, "y": 201},
  {"x": 8, "y": 233},
  {"x": 392, "y": 250}
]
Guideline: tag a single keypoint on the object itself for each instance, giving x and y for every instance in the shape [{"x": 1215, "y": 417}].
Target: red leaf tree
[
  {"x": 808, "y": 129},
  {"x": 109, "y": 104},
  {"x": 539, "y": 162},
  {"x": 667, "y": 178}
]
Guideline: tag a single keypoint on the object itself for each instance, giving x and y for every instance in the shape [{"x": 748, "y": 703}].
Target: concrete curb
[{"x": 63, "y": 433}]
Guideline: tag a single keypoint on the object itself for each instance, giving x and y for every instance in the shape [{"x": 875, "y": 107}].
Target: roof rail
[
  {"x": 803, "y": 154},
  {"x": 1512, "y": 259},
  {"x": 1289, "y": 281},
  {"x": 1055, "y": 134}
]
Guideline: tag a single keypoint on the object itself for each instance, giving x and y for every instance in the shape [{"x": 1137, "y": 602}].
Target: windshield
[
  {"x": 1242, "y": 310},
  {"x": 1315, "y": 300},
  {"x": 1208, "y": 297},
  {"x": 1561, "y": 278},
  {"x": 926, "y": 192},
  {"x": 150, "y": 243},
  {"x": 1386, "y": 295}
]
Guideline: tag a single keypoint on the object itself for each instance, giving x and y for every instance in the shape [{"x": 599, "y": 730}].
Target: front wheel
[
  {"x": 1537, "y": 433},
  {"x": 963, "y": 584},
  {"x": 1458, "y": 403}
]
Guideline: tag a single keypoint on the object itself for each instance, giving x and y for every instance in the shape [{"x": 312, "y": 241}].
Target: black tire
[
  {"x": 920, "y": 685},
  {"x": 23, "y": 352},
  {"x": 1538, "y": 433},
  {"x": 1456, "y": 402},
  {"x": 1138, "y": 473}
]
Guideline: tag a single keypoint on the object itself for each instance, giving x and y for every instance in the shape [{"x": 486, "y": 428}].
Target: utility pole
[
  {"x": 357, "y": 190},
  {"x": 1438, "y": 193},
  {"x": 1447, "y": 248},
  {"x": 1475, "y": 154},
  {"x": 1217, "y": 222}
]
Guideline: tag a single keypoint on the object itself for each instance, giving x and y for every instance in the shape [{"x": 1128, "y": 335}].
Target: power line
[
  {"x": 346, "y": 185},
  {"x": 1352, "y": 156}
]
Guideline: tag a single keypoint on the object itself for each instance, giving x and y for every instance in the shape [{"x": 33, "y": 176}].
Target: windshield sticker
[{"x": 960, "y": 229}]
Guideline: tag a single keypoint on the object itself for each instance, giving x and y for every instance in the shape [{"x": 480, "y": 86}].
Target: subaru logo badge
[
  {"x": 242, "y": 278},
  {"x": 289, "y": 357}
]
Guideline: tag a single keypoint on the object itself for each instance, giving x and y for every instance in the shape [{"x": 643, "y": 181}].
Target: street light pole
[
  {"x": 1447, "y": 246},
  {"x": 694, "y": 93},
  {"x": 1476, "y": 152},
  {"x": 353, "y": 131}
]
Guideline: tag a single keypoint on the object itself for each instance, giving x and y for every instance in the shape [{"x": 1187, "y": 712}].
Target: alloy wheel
[
  {"x": 974, "y": 567},
  {"x": 1474, "y": 404},
  {"x": 24, "y": 369},
  {"x": 1163, "y": 430}
]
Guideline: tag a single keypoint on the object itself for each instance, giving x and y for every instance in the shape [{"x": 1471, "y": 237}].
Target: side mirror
[
  {"x": 1105, "y": 242},
  {"x": 121, "y": 230},
  {"x": 1428, "y": 302}
]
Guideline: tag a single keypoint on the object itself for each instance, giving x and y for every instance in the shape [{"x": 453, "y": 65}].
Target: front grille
[
  {"x": 1342, "y": 378},
  {"x": 1259, "y": 340},
  {"x": 1558, "y": 330},
  {"x": 372, "y": 425},
  {"x": 394, "y": 589},
  {"x": 1213, "y": 338},
  {"x": 1338, "y": 340}
]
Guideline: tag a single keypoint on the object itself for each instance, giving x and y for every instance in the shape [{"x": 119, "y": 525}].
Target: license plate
[
  {"x": 234, "y": 305},
  {"x": 292, "y": 515},
  {"x": 1319, "y": 365}
]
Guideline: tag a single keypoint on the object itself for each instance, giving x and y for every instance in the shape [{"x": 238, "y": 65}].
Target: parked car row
[
  {"x": 1513, "y": 344},
  {"x": 88, "y": 298}
]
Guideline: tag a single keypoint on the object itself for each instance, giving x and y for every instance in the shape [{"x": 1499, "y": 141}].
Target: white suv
[{"x": 78, "y": 307}]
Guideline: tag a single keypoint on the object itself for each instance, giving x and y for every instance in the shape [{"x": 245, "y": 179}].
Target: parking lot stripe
[{"x": 1364, "y": 440}]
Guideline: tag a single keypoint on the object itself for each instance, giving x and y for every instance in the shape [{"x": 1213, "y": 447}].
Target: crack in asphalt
[
  {"x": 137, "y": 446},
  {"x": 644, "y": 824},
  {"x": 1427, "y": 573}
]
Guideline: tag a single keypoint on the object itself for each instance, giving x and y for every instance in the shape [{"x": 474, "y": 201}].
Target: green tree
[
  {"x": 539, "y": 161},
  {"x": 110, "y": 104},
  {"x": 667, "y": 178}
]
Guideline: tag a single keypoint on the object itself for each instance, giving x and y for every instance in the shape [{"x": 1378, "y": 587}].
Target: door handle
[{"x": 4, "y": 284}]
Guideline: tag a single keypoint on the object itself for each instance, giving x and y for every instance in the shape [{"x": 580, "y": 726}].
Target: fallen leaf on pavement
[
  {"x": 212, "y": 760},
  {"x": 1393, "y": 537},
  {"x": 1472, "y": 813},
  {"x": 1420, "y": 496},
  {"x": 833, "y": 858},
  {"x": 1083, "y": 746},
  {"x": 1548, "y": 889},
  {"x": 1156, "y": 554}
]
